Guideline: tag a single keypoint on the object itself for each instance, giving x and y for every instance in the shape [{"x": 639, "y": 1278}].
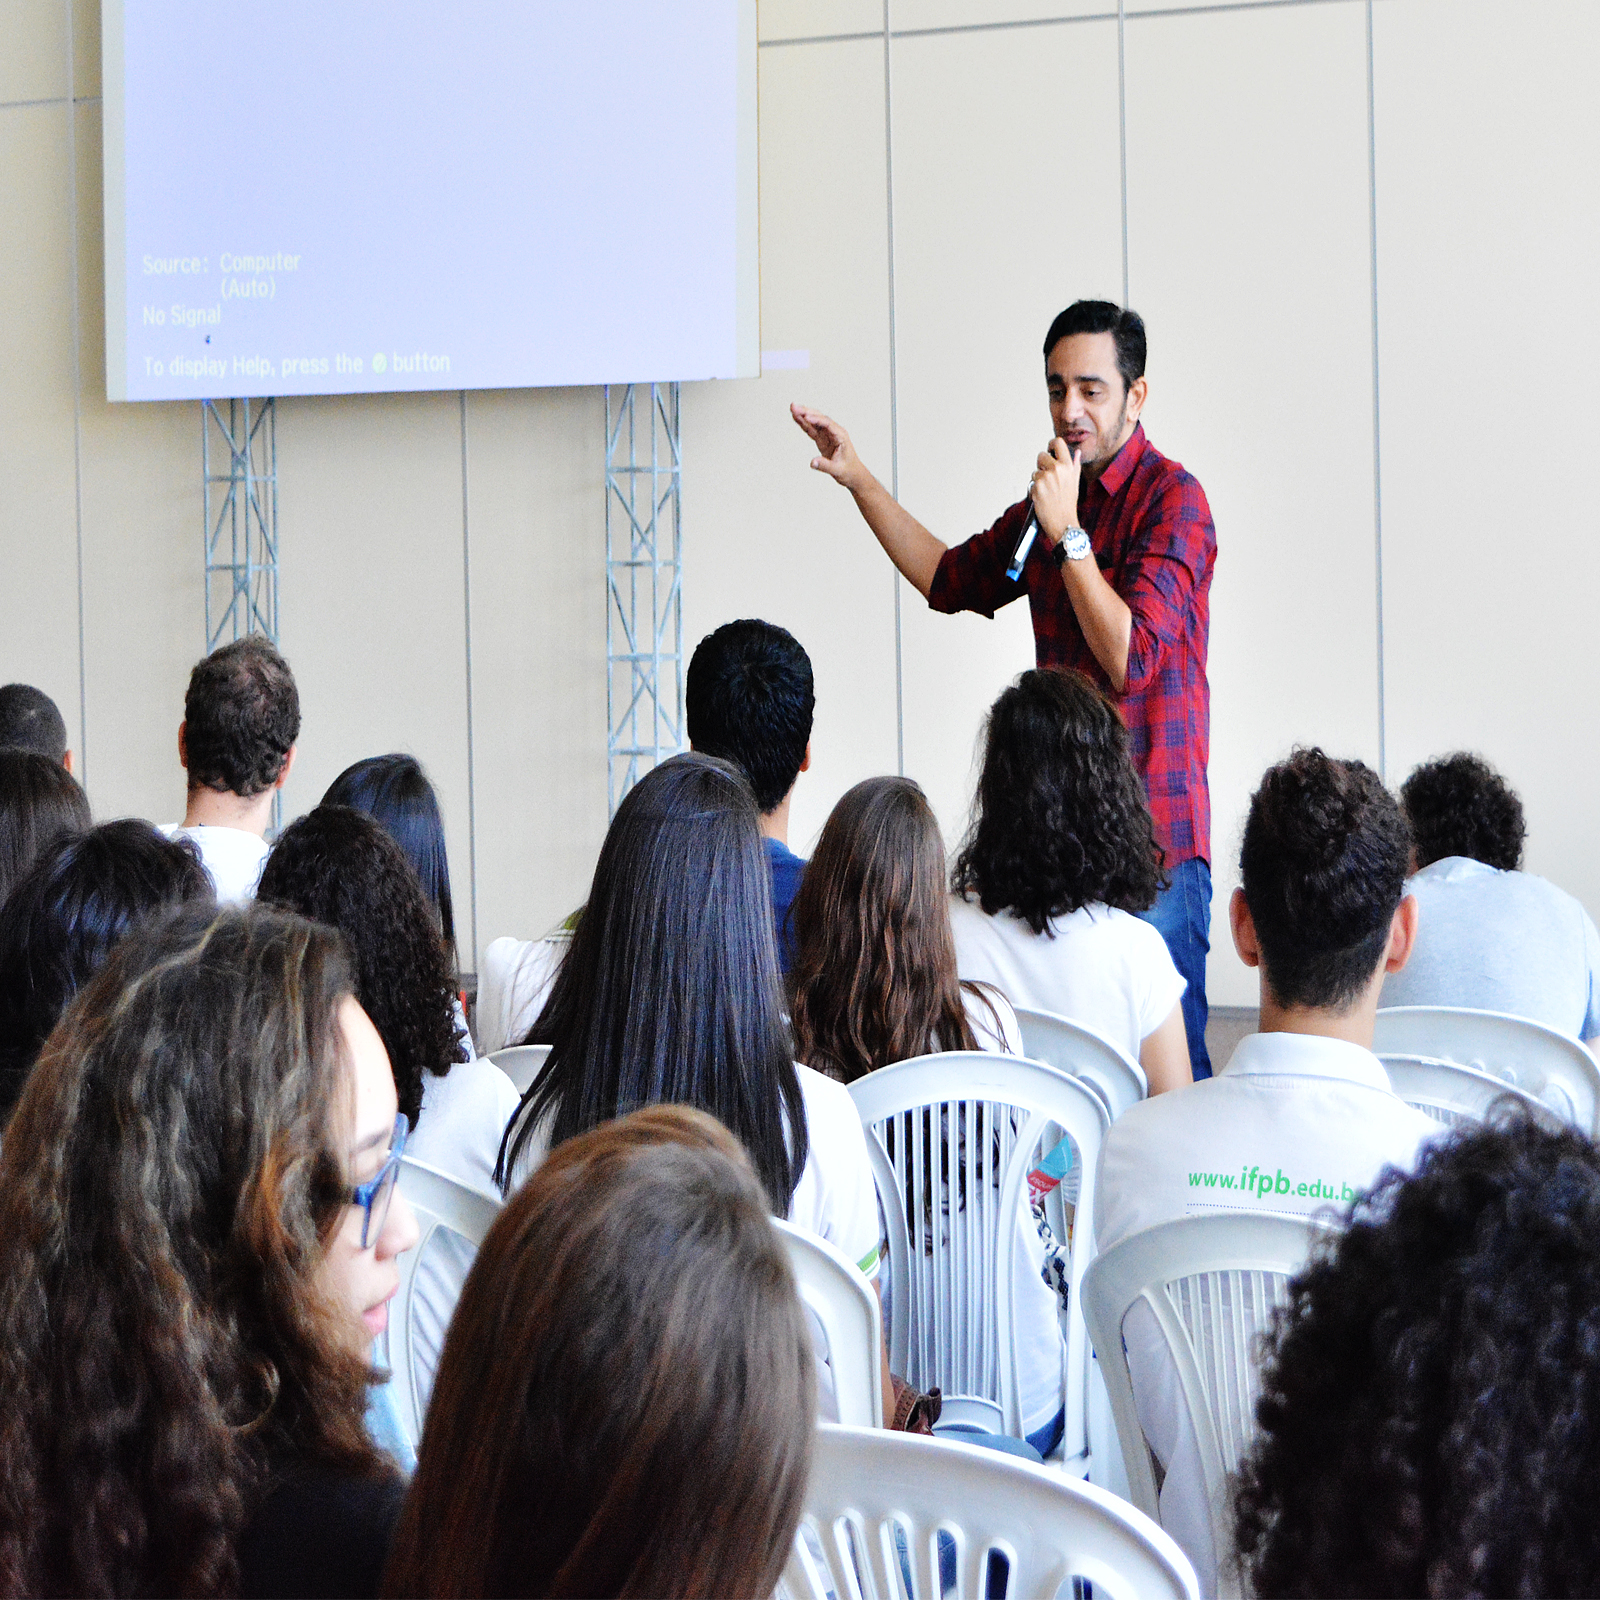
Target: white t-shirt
[
  {"x": 1501, "y": 941},
  {"x": 1096, "y": 966},
  {"x": 232, "y": 856},
  {"x": 1292, "y": 1124},
  {"x": 458, "y": 1130},
  {"x": 514, "y": 981}
]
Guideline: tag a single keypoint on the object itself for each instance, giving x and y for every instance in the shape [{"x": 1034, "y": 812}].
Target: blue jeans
[{"x": 1182, "y": 916}]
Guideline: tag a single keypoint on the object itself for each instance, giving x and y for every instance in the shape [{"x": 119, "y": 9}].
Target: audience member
[
  {"x": 874, "y": 981},
  {"x": 63, "y": 917},
  {"x": 396, "y": 792},
  {"x": 31, "y": 720},
  {"x": 1058, "y": 861},
  {"x": 340, "y": 868},
  {"x": 748, "y": 698},
  {"x": 40, "y": 802},
  {"x": 670, "y": 995},
  {"x": 198, "y": 1242},
  {"x": 1429, "y": 1423},
  {"x": 241, "y": 717},
  {"x": 625, "y": 1405},
  {"x": 1304, "y": 1112},
  {"x": 1490, "y": 936}
]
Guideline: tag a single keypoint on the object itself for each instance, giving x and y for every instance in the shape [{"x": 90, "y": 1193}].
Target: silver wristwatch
[{"x": 1072, "y": 546}]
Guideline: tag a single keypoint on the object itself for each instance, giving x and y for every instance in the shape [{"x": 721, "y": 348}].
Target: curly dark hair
[
  {"x": 1323, "y": 867},
  {"x": 1460, "y": 806},
  {"x": 1061, "y": 819},
  {"x": 339, "y": 867},
  {"x": 241, "y": 717},
  {"x": 169, "y": 1186},
  {"x": 1430, "y": 1413}
]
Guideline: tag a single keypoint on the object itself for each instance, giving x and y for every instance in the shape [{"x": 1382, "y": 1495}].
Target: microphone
[{"x": 1030, "y": 532}]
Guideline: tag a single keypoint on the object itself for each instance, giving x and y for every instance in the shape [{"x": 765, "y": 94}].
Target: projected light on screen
[{"x": 324, "y": 199}]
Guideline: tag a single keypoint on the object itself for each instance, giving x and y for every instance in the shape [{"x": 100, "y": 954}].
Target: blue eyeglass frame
[{"x": 381, "y": 1187}]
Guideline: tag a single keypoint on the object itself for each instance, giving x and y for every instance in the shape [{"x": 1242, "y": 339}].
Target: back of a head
[
  {"x": 749, "y": 699},
  {"x": 1430, "y": 1405},
  {"x": 31, "y": 720},
  {"x": 241, "y": 718},
  {"x": 1061, "y": 820},
  {"x": 340, "y": 868},
  {"x": 40, "y": 802},
  {"x": 625, "y": 1402},
  {"x": 1460, "y": 806},
  {"x": 168, "y": 1185},
  {"x": 1323, "y": 868},
  {"x": 670, "y": 992},
  {"x": 874, "y": 976},
  {"x": 58, "y": 925},
  {"x": 395, "y": 792}
]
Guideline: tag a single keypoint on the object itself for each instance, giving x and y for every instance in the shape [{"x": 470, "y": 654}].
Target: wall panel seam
[
  {"x": 466, "y": 605},
  {"x": 77, "y": 400},
  {"x": 1377, "y": 418},
  {"x": 53, "y": 100},
  {"x": 894, "y": 387}
]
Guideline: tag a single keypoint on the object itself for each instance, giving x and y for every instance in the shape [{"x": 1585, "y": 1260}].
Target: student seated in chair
[
  {"x": 241, "y": 717},
  {"x": 1489, "y": 935},
  {"x": 1303, "y": 1114}
]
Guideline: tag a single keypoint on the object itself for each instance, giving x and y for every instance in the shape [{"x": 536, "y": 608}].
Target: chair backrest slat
[
  {"x": 1085, "y": 1054},
  {"x": 890, "y": 1515},
  {"x": 951, "y": 1138}
]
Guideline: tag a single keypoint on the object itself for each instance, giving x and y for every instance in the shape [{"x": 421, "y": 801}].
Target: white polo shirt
[{"x": 1292, "y": 1124}]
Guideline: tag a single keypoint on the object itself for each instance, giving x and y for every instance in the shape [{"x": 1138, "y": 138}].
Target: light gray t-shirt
[{"x": 1501, "y": 941}]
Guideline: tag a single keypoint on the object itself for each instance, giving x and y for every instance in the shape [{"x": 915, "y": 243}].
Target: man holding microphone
[{"x": 1118, "y": 580}]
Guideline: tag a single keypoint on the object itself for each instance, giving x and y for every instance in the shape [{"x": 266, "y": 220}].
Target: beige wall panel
[
  {"x": 33, "y": 50},
  {"x": 907, "y": 16},
  {"x": 764, "y": 535},
  {"x": 1250, "y": 261},
  {"x": 535, "y": 472},
  {"x": 994, "y": 234},
  {"x": 812, "y": 19},
  {"x": 38, "y": 500},
  {"x": 1488, "y": 136},
  {"x": 85, "y": 47},
  {"x": 144, "y": 602},
  {"x": 371, "y": 609}
]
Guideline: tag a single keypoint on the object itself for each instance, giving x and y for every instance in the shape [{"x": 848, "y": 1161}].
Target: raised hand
[{"x": 837, "y": 456}]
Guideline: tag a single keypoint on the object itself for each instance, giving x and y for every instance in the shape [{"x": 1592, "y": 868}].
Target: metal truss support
[
  {"x": 239, "y": 457},
  {"x": 239, "y": 463},
  {"x": 644, "y": 583}
]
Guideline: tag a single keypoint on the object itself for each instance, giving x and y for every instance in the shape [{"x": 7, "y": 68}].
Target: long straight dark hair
[
  {"x": 874, "y": 975},
  {"x": 670, "y": 992},
  {"x": 625, "y": 1404}
]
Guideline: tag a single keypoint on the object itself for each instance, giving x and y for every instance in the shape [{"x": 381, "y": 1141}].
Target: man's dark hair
[
  {"x": 1323, "y": 868},
  {"x": 1061, "y": 820},
  {"x": 1430, "y": 1421},
  {"x": 749, "y": 699},
  {"x": 243, "y": 715},
  {"x": 30, "y": 720},
  {"x": 1101, "y": 316},
  {"x": 62, "y": 918},
  {"x": 1460, "y": 806}
]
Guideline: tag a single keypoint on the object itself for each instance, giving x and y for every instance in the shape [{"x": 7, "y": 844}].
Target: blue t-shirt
[{"x": 787, "y": 871}]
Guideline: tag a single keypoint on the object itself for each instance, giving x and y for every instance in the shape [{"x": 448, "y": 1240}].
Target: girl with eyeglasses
[{"x": 199, "y": 1229}]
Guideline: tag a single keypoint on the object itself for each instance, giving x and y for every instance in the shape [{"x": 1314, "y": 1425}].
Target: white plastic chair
[
  {"x": 1451, "y": 1093},
  {"x": 521, "y": 1063},
  {"x": 439, "y": 1201},
  {"x": 1085, "y": 1054},
  {"x": 1211, "y": 1283},
  {"x": 885, "y": 1511},
  {"x": 1558, "y": 1071},
  {"x": 835, "y": 1291},
  {"x": 951, "y": 1310}
]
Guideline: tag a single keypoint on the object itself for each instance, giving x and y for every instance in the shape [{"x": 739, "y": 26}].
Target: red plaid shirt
[{"x": 1153, "y": 538}]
